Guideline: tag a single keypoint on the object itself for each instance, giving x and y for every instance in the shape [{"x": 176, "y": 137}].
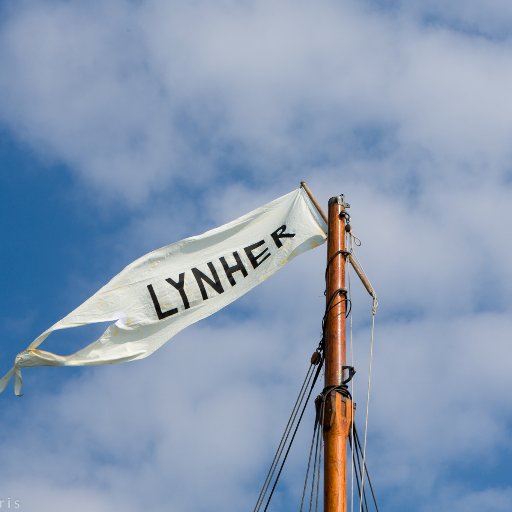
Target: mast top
[{"x": 339, "y": 200}]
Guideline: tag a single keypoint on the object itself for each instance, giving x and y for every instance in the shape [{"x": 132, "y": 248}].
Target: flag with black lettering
[{"x": 166, "y": 290}]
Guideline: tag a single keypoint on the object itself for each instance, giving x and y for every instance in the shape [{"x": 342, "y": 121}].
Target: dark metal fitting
[{"x": 351, "y": 373}]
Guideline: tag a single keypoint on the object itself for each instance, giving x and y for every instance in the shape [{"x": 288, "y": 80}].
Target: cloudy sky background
[{"x": 125, "y": 126}]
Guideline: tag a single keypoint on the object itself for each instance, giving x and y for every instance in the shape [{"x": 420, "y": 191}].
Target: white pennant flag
[{"x": 166, "y": 290}]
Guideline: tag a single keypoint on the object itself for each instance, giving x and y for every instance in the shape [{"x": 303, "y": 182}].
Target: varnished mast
[{"x": 338, "y": 408}]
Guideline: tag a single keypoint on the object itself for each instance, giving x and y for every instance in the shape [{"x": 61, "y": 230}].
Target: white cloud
[{"x": 135, "y": 97}]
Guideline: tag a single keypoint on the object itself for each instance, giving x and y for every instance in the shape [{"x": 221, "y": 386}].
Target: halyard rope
[{"x": 375, "y": 304}]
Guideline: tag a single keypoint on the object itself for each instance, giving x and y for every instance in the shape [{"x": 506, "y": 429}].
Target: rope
[
  {"x": 309, "y": 465},
  {"x": 301, "y": 401},
  {"x": 317, "y": 444},
  {"x": 353, "y": 240},
  {"x": 352, "y": 446},
  {"x": 332, "y": 258},
  {"x": 315, "y": 466},
  {"x": 374, "y": 312},
  {"x": 330, "y": 306},
  {"x": 294, "y": 434},
  {"x": 351, "y": 344},
  {"x": 284, "y": 437},
  {"x": 363, "y": 500},
  {"x": 319, "y": 465},
  {"x": 358, "y": 447}
]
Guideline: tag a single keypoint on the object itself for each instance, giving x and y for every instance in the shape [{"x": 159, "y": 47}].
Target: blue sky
[{"x": 125, "y": 126}]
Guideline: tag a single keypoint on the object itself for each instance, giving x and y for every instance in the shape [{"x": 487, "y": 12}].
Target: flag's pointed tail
[{"x": 18, "y": 381}]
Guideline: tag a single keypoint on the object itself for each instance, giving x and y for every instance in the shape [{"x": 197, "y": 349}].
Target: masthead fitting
[{"x": 339, "y": 200}]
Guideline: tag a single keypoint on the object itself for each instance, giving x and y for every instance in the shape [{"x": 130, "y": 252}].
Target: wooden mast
[{"x": 338, "y": 409}]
